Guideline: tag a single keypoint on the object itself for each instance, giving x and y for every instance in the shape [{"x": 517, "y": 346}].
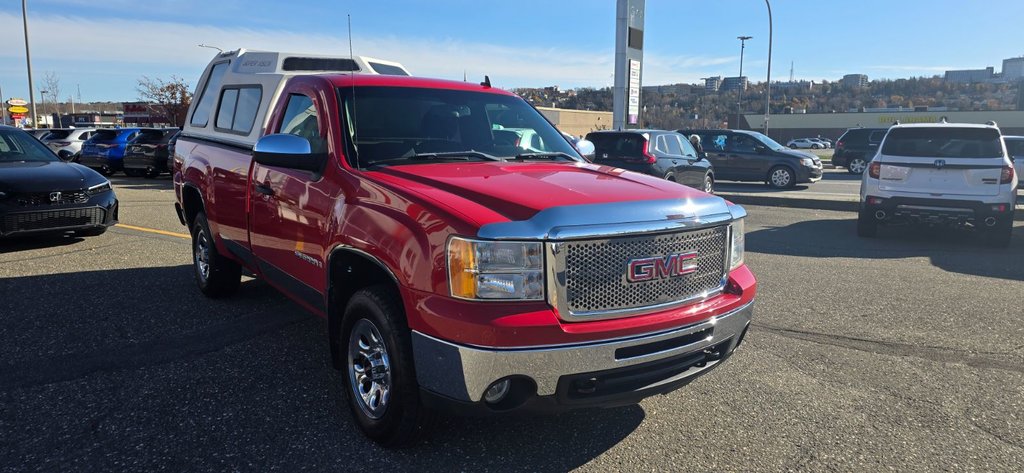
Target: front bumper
[
  {"x": 809, "y": 174},
  {"x": 99, "y": 212},
  {"x": 612, "y": 372}
]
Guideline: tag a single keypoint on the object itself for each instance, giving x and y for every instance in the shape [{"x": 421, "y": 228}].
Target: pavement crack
[
  {"x": 981, "y": 360},
  {"x": 134, "y": 355},
  {"x": 1000, "y": 438}
]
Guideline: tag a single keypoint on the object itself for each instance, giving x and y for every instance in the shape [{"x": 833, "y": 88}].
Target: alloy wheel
[
  {"x": 781, "y": 178},
  {"x": 369, "y": 369},
  {"x": 201, "y": 255}
]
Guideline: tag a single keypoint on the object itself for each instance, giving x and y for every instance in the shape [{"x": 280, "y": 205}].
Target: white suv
[{"x": 941, "y": 173}]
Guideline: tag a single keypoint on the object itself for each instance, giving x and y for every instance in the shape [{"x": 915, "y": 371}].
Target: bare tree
[
  {"x": 170, "y": 98},
  {"x": 51, "y": 84}
]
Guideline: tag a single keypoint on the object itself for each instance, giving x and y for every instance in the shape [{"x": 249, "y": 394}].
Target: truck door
[{"x": 290, "y": 207}]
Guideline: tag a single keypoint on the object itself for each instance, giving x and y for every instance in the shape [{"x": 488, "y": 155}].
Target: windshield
[
  {"x": 770, "y": 143},
  {"x": 943, "y": 142},
  {"x": 17, "y": 146},
  {"x": 397, "y": 124}
]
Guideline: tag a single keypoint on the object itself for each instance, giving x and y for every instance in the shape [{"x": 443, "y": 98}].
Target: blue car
[{"x": 104, "y": 152}]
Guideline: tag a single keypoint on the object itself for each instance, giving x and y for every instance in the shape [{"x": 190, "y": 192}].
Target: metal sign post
[{"x": 629, "y": 56}]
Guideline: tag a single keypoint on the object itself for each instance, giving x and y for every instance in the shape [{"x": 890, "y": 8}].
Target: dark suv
[
  {"x": 147, "y": 154},
  {"x": 856, "y": 147},
  {"x": 741, "y": 155},
  {"x": 664, "y": 154}
]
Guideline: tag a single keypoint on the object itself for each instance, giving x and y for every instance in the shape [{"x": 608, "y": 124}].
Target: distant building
[
  {"x": 677, "y": 89},
  {"x": 712, "y": 84},
  {"x": 854, "y": 81},
  {"x": 971, "y": 76},
  {"x": 730, "y": 84},
  {"x": 794, "y": 85},
  {"x": 1013, "y": 69}
]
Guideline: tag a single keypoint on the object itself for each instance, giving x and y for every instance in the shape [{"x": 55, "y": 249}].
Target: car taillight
[
  {"x": 651, "y": 159},
  {"x": 839, "y": 144},
  {"x": 1006, "y": 176},
  {"x": 875, "y": 170},
  {"x": 60, "y": 143}
]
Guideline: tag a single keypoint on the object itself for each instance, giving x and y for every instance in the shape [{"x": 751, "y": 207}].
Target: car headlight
[
  {"x": 807, "y": 162},
  {"x": 738, "y": 245},
  {"x": 99, "y": 188},
  {"x": 489, "y": 270}
]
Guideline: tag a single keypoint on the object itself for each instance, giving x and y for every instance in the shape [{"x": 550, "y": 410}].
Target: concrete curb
[{"x": 806, "y": 203}]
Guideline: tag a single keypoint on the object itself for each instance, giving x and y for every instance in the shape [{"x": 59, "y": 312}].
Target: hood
[
  {"x": 799, "y": 154},
  {"x": 517, "y": 191},
  {"x": 46, "y": 176}
]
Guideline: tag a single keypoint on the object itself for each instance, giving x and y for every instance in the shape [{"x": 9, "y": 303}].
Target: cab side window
[{"x": 300, "y": 119}]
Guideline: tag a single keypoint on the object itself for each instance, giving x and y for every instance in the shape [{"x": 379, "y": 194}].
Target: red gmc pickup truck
[{"x": 457, "y": 269}]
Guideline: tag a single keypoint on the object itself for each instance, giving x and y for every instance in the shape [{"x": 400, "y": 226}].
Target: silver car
[{"x": 67, "y": 142}]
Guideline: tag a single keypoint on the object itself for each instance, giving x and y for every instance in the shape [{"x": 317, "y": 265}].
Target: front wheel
[
  {"x": 857, "y": 166},
  {"x": 215, "y": 275},
  {"x": 781, "y": 177},
  {"x": 381, "y": 392},
  {"x": 815, "y": 147}
]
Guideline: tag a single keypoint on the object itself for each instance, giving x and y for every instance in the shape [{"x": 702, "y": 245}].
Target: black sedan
[{"x": 41, "y": 194}]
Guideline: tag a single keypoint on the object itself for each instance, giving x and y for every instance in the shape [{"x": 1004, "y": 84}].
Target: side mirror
[
  {"x": 586, "y": 148},
  {"x": 287, "y": 151}
]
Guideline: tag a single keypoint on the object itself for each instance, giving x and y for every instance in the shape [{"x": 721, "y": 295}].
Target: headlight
[
  {"x": 807, "y": 162},
  {"x": 738, "y": 245},
  {"x": 99, "y": 188},
  {"x": 495, "y": 269}
]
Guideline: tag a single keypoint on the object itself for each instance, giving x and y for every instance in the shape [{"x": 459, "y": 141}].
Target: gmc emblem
[{"x": 661, "y": 267}]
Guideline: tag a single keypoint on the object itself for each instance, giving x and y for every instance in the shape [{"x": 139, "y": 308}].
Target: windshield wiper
[
  {"x": 448, "y": 156},
  {"x": 556, "y": 154}
]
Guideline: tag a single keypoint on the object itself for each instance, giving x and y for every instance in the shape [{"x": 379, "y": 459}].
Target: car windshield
[
  {"x": 943, "y": 142},
  {"x": 405, "y": 125},
  {"x": 18, "y": 146},
  {"x": 770, "y": 143}
]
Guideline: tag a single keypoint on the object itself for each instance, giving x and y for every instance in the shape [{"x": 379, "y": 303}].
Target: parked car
[
  {"x": 740, "y": 155},
  {"x": 856, "y": 147},
  {"x": 41, "y": 194},
  {"x": 1015, "y": 148},
  {"x": 170, "y": 150},
  {"x": 824, "y": 144},
  {"x": 104, "y": 151},
  {"x": 804, "y": 143},
  {"x": 148, "y": 153},
  {"x": 665, "y": 154},
  {"x": 67, "y": 142},
  {"x": 455, "y": 271},
  {"x": 941, "y": 173}
]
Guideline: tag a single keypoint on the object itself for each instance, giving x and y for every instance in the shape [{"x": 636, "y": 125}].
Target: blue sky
[{"x": 104, "y": 46}]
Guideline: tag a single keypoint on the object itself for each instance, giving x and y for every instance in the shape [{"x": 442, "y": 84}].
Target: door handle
[{"x": 265, "y": 190}]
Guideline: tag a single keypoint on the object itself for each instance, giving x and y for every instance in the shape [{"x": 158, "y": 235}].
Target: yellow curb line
[{"x": 153, "y": 230}]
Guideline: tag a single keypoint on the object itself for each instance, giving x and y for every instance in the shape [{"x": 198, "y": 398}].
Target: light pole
[
  {"x": 768, "y": 82},
  {"x": 739, "y": 95},
  {"x": 3, "y": 105},
  {"x": 211, "y": 47},
  {"x": 28, "y": 63}
]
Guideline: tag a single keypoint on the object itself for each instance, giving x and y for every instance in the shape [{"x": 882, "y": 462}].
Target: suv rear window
[
  {"x": 105, "y": 135},
  {"x": 153, "y": 136},
  {"x": 943, "y": 142},
  {"x": 617, "y": 144},
  {"x": 1015, "y": 147}
]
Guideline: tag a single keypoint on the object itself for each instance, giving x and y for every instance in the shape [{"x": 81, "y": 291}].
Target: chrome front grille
[{"x": 592, "y": 278}]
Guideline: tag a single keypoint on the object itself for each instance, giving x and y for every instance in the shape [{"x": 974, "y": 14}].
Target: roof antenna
[
  {"x": 486, "y": 82},
  {"x": 352, "y": 82}
]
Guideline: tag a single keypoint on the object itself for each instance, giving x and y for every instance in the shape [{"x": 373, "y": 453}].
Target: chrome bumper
[{"x": 463, "y": 373}]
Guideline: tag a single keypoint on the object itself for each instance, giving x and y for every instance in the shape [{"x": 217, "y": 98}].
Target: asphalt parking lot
[{"x": 901, "y": 352}]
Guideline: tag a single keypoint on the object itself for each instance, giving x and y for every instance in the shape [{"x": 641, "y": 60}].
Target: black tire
[
  {"x": 815, "y": 147},
  {"x": 670, "y": 177},
  {"x": 221, "y": 276},
  {"x": 152, "y": 173},
  {"x": 134, "y": 172},
  {"x": 403, "y": 418},
  {"x": 867, "y": 226},
  {"x": 65, "y": 155},
  {"x": 105, "y": 171},
  {"x": 999, "y": 235},
  {"x": 709, "y": 184},
  {"x": 92, "y": 232},
  {"x": 776, "y": 180},
  {"x": 856, "y": 166}
]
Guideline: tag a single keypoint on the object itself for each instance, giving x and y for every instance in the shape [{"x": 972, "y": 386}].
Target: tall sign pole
[
  {"x": 28, "y": 62},
  {"x": 3, "y": 111},
  {"x": 629, "y": 56}
]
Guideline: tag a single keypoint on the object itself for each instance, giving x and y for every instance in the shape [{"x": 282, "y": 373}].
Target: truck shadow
[
  {"x": 954, "y": 250},
  {"x": 163, "y": 182},
  {"x": 27, "y": 243}
]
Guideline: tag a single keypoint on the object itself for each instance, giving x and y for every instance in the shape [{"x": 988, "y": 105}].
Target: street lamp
[
  {"x": 768, "y": 82},
  {"x": 28, "y": 63},
  {"x": 739, "y": 95}
]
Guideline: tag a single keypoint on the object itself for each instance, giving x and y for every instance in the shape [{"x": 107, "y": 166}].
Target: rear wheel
[
  {"x": 867, "y": 226},
  {"x": 216, "y": 275},
  {"x": 857, "y": 166},
  {"x": 381, "y": 388},
  {"x": 709, "y": 184},
  {"x": 781, "y": 177},
  {"x": 152, "y": 173},
  {"x": 815, "y": 146},
  {"x": 105, "y": 170}
]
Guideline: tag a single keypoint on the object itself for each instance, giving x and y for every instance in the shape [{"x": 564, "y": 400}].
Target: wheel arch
[{"x": 191, "y": 203}]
